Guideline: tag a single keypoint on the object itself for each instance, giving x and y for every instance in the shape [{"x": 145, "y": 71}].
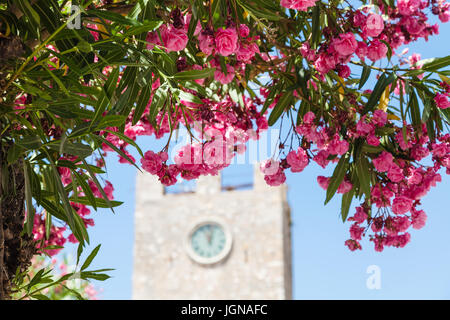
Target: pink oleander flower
[
  {"x": 301, "y": 5},
  {"x": 377, "y": 50},
  {"x": 309, "y": 117},
  {"x": 187, "y": 22},
  {"x": 415, "y": 177},
  {"x": 442, "y": 101},
  {"x": 344, "y": 71},
  {"x": 244, "y": 30},
  {"x": 198, "y": 67},
  {"x": 440, "y": 149},
  {"x": 360, "y": 215},
  {"x": 345, "y": 45},
  {"x": 379, "y": 243},
  {"x": 379, "y": 118},
  {"x": 307, "y": 52},
  {"x": 338, "y": 146},
  {"x": 414, "y": 59},
  {"x": 269, "y": 167},
  {"x": 374, "y": 25},
  {"x": 109, "y": 189},
  {"x": 401, "y": 205},
  {"x": 297, "y": 160},
  {"x": 419, "y": 219},
  {"x": 383, "y": 162},
  {"x": 323, "y": 182},
  {"x": 273, "y": 174},
  {"x": 152, "y": 40},
  {"x": 325, "y": 63},
  {"x": 361, "y": 50},
  {"x": 226, "y": 41},
  {"x": 321, "y": 158},
  {"x": 356, "y": 232},
  {"x": 344, "y": 187},
  {"x": 276, "y": 179},
  {"x": 206, "y": 43},
  {"x": 395, "y": 173},
  {"x": 246, "y": 52},
  {"x": 262, "y": 123},
  {"x": 168, "y": 176},
  {"x": 363, "y": 128},
  {"x": 222, "y": 77},
  {"x": 353, "y": 245},
  {"x": 444, "y": 15},
  {"x": 413, "y": 26},
  {"x": 153, "y": 162},
  {"x": 373, "y": 140},
  {"x": 173, "y": 39},
  {"x": 408, "y": 7}
]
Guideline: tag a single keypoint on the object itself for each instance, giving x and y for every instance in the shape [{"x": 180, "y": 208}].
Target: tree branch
[{"x": 2, "y": 235}]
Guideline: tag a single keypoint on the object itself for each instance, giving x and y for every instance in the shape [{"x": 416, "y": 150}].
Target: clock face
[{"x": 208, "y": 240}]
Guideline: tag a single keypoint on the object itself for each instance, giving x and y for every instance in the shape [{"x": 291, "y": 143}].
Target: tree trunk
[{"x": 16, "y": 250}]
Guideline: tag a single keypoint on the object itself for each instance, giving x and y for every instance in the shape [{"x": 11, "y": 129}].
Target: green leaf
[
  {"x": 381, "y": 84},
  {"x": 30, "y": 142},
  {"x": 52, "y": 209},
  {"x": 28, "y": 198},
  {"x": 302, "y": 80},
  {"x": 434, "y": 64},
  {"x": 35, "y": 280},
  {"x": 194, "y": 74},
  {"x": 337, "y": 177},
  {"x": 413, "y": 107},
  {"x": 28, "y": 10},
  {"x": 120, "y": 152},
  {"x": 127, "y": 140},
  {"x": 70, "y": 216},
  {"x": 280, "y": 107},
  {"x": 86, "y": 189},
  {"x": 159, "y": 98},
  {"x": 364, "y": 76},
  {"x": 100, "y": 188},
  {"x": 14, "y": 153},
  {"x": 111, "y": 120},
  {"x": 215, "y": 5},
  {"x": 74, "y": 292},
  {"x": 91, "y": 257},
  {"x": 346, "y": 202},
  {"x": 95, "y": 276},
  {"x": 73, "y": 148},
  {"x": 189, "y": 97},
  {"x": 101, "y": 203},
  {"x": 79, "y": 252},
  {"x": 113, "y": 16},
  {"x": 362, "y": 170},
  {"x": 142, "y": 103},
  {"x": 315, "y": 29},
  {"x": 105, "y": 95},
  {"x": 39, "y": 296},
  {"x": 445, "y": 114},
  {"x": 145, "y": 27},
  {"x": 259, "y": 12}
]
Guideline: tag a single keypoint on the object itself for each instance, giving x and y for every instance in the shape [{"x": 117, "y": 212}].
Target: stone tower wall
[{"x": 258, "y": 266}]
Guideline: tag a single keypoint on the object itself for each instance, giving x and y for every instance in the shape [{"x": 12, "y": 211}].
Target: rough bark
[{"x": 16, "y": 250}]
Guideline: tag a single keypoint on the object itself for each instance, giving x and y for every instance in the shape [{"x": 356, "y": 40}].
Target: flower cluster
[
  {"x": 397, "y": 195},
  {"x": 222, "y": 125}
]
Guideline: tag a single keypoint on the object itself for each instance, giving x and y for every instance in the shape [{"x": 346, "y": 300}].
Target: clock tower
[{"x": 212, "y": 243}]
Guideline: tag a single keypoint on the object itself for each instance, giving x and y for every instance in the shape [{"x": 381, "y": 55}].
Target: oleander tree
[
  {"x": 83, "y": 79},
  {"x": 58, "y": 281}
]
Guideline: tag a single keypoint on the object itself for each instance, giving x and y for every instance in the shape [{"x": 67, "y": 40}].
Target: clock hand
[{"x": 209, "y": 235}]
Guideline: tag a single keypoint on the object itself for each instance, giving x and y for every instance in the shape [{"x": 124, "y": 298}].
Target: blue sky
[{"x": 323, "y": 267}]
